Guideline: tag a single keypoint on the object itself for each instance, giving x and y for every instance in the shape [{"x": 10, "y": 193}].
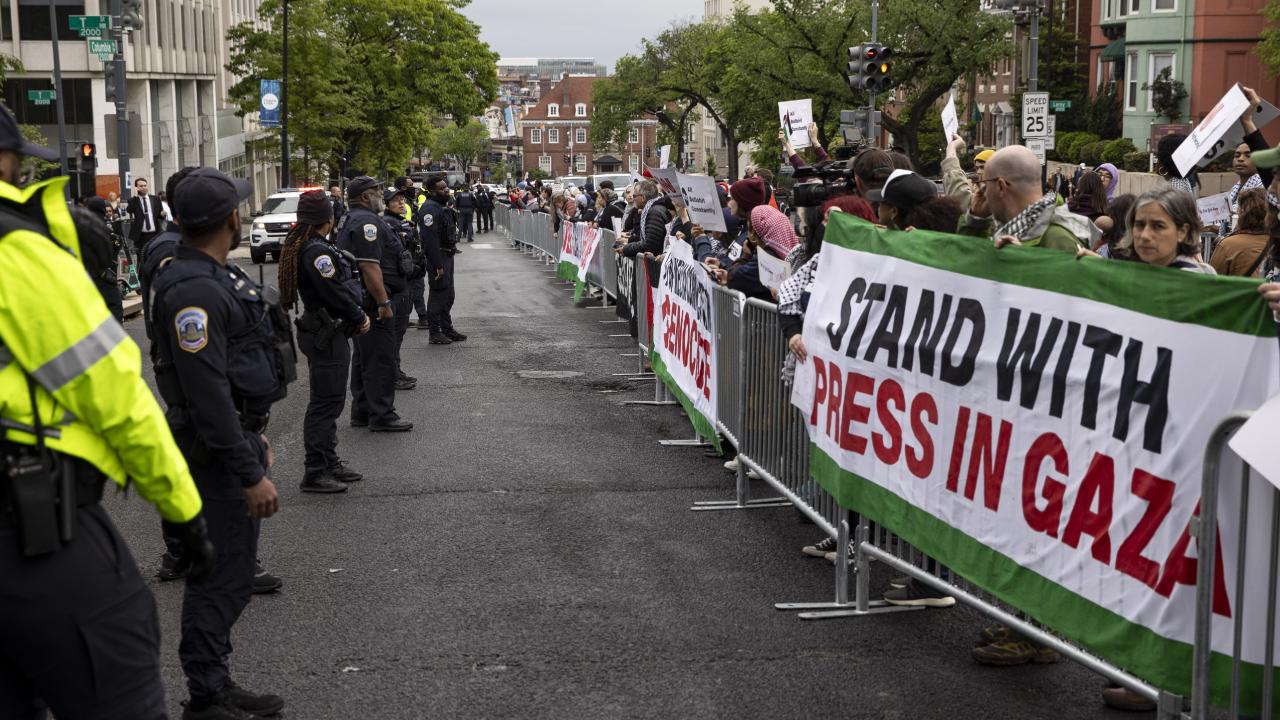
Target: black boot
[
  {"x": 216, "y": 709},
  {"x": 344, "y": 474},
  {"x": 321, "y": 481},
  {"x": 454, "y": 335},
  {"x": 439, "y": 338},
  {"x": 252, "y": 703}
]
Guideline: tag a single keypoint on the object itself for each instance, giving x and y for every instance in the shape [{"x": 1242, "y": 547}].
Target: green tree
[
  {"x": 1268, "y": 47},
  {"x": 365, "y": 76},
  {"x": 1167, "y": 95},
  {"x": 464, "y": 143},
  {"x": 34, "y": 167}
]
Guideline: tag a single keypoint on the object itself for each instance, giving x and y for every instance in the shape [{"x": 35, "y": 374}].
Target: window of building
[
  {"x": 6, "y": 22},
  {"x": 1157, "y": 63},
  {"x": 633, "y": 135},
  {"x": 553, "y": 110},
  {"x": 1164, "y": 5},
  {"x": 33, "y": 19},
  {"x": 544, "y": 163},
  {"x": 633, "y": 163},
  {"x": 1131, "y": 81},
  {"x": 982, "y": 88},
  {"x": 535, "y": 136},
  {"x": 1108, "y": 9},
  {"x": 580, "y": 163},
  {"x": 1004, "y": 89},
  {"x": 580, "y": 136},
  {"x": 77, "y": 93},
  {"x": 553, "y": 136},
  {"x": 580, "y": 110},
  {"x": 1133, "y": 6}
]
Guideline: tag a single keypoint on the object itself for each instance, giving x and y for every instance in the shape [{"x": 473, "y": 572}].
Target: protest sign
[
  {"x": 568, "y": 267},
  {"x": 625, "y": 307},
  {"x": 1220, "y": 130},
  {"x": 590, "y": 239},
  {"x": 684, "y": 336},
  {"x": 702, "y": 197},
  {"x": 1214, "y": 209},
  {"x": 1037, "y": 424},
  {"x": 1255, "y": 441},
  {"x": 664, "y": 157},
  {"x": 794, "y": 117},
  {"x": 772, "y": 270},
  {"x": 668, "y": 181},
  {"x": 950, "y": 121}
]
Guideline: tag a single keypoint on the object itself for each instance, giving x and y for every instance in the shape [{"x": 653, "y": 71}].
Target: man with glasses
[{"x": 1011, "y": 207}]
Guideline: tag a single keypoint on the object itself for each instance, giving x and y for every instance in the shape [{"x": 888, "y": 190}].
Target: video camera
[{"x": 815, "y": 184}]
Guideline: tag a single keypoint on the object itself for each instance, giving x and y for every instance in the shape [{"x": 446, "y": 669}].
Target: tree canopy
[{"x": 365, "y": 76}]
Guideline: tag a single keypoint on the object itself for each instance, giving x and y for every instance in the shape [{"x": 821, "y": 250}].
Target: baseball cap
[
  {"x": 984, "y": 156},
  {"x": 904, "y": 189},
  {"x": 11, "y": 138},
  {"x": 361, "y": 185},
  {"x": 206, "y": 196},
  {"x": 1266, "y": 158},
  {"x": 390, "y": 193}
]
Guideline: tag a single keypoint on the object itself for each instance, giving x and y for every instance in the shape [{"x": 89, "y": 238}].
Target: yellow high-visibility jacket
[{"x": 56, "y": 329}]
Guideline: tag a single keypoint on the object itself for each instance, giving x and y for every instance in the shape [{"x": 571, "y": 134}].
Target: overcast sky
[{"x": 575, "y": 28}]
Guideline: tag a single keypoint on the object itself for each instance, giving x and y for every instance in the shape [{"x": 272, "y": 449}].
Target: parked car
[
  {"x": 620, "y": 180},
  {"x": 279, "y": 215}
]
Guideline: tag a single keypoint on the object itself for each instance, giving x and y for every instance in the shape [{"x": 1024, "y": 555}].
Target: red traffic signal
[
  {"x": 88, "y": 157},
  {"x": 88, "y": 150}
]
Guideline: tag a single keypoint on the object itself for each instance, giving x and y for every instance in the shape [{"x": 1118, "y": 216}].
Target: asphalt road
[{"x": 528, "y": 552}]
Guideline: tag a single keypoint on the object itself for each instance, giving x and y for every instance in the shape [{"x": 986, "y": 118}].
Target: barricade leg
[
  {"x": 660, "y": 394},
  {"x": 742, "y": 495}
]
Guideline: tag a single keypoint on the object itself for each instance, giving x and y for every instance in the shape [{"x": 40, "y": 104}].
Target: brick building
[{"x": 555, "y": 135}]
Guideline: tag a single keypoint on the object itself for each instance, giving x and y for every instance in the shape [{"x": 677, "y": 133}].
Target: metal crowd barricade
[
  {"x": 644, "y": 338},
  {"x": 1205, "y": 526}
]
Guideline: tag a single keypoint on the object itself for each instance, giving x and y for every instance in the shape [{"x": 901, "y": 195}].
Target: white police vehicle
[{"x": 279, "y": 215}]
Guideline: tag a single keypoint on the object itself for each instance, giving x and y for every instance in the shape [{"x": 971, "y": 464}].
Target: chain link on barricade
[
  {"x": 756, "y": 415},
  {"x": 1259, "y": 507}
]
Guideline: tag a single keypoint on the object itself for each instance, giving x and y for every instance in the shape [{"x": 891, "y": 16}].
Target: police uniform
[
  {"x": 329, "y": 286},
  {"x": 79, "y": 630},
  {"x": 225, "y": 355},
  {"x": 373, "y": 365},
  {"x": 465, "y": 202},
  {"x": 440, "y": 244},
  {"x": 402, "y": 302}
]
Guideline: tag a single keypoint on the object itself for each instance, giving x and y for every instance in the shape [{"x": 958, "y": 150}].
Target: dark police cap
[
  {"x": 314, "y": 208},
  {"x": 207, "y": 196},
  {"x": 390, "y": 193},
  {"x": 361, "y": 185},
  {"x": 11, "y": 138}
]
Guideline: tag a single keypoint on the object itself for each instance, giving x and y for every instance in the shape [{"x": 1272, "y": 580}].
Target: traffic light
[
  {"x": 113, "y": 92},
  {"x": 88, "y": 155},
  {"x": 131, "y": 14},
  {"x": 870, "y": 65}
]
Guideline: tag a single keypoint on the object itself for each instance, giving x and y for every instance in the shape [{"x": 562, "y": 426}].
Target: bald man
[{"x": 1011, "y": 207}]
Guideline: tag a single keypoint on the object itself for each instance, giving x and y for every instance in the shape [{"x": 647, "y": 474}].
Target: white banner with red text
[{"x": 684, "y": 335}]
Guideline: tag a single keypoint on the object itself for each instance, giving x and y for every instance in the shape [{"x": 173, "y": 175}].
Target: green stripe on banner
[
  {"x": 567, "y": 270},
  {"x": 701, "y": 425},
  {"x": 1160, "y": 661},
  {"x": 577, "y": 287},
  {"x": 1208, "y": 300}
]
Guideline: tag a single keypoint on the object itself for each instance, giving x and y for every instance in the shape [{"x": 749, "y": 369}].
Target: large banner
[
  {"x": 589, "y": 240},
  {"x": 684, "y": 335},
  {"x": 1037, "y": 423},
  {"x": 625, "y": 308}
]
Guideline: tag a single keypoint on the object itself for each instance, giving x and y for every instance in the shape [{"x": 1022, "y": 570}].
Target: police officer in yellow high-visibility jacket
[{"x": 78, "y": 627}]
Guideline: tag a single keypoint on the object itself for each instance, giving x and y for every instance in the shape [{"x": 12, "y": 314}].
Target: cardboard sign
[
  {"x": 703, "y": 200},
  {"x": 668, "y": 181},
  {"x": 772, "y": 270},
  {"x": 950, "y": 121},
  {"x": 794, "y": 117},
  {"x": 664, "y": 157},
  {"x": 1214, "y": 209},
  {"x": 1220, "y": 130}
]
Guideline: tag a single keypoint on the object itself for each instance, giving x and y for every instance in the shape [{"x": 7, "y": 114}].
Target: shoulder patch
[
  {"x": 428, "y": 219},
  {"x": 370, "y": 232},
  {"x": 324, "y": 265},
  {"x": 192, "y": 324}
]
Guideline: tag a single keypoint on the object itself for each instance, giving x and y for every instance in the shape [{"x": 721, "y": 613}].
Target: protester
[
  {"x": 1111, "y": 244},
  {"x": 1240, "y": 253},
  {"x": 608, "y": 207},
  {"x": 1248, "y": 176},
  {"x": 938, "y": 214},
  {"x": 980, "y": 160},
  {"x": 790, "y": 151},
  {"x": 1090, "y": 198},
  {"x": 769, "y": 231},
  {"x": 902, "y": 192},
  {"x": 1011, "y": 207},
  {"x": 955, "y": 184},
  {"x": 1168, "y": 169},
  {"x": 1164, "y": 231},
  {"x": 651, "y": 226},
  {"x": 1110, "y": 177}
]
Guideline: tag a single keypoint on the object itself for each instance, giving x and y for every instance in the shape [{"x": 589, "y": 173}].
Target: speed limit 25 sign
[{"x": 1035, "y": 115}]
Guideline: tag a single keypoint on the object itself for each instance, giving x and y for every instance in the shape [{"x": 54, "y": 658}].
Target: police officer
[
  {"x": 404, "y": 185},
  {"x": 439, "y": 242},
  {"x": 402, "y": 302},
  {"x": 484, "y": 206},
  {"x": 225, "y": 355},
  {"x": 465, "y": 202},
  {"x": 70, "y": 593},
  {"x": 329, "y": 284},
  {"x": 377, "y": 253}
]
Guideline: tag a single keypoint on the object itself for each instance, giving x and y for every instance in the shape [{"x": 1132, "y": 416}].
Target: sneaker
[
  {"x": 1122, "y": 698},
  {"x": 404, "y": 384},
  {"x": 917, "y": 594},
  {"x": 171, "y": 568},
  {"x": 1013, "y": 651},
  {"x": 454, "y": 335},
  {"x": 322, "y": 482},
  {"x": 438, "y": 338},
  {"x": 820, "y": 549},
  {"x": 900, "y": 582},
  {"x": 400, "y": 375},
  {"x": 359, "y": 422},
  {"x": 831, "y": 554},
  {"x": 219, "y": 709},
  {"x": 992, "y": 634},
  {"x": 732, "y": 465},
  {"x": 344, "y": 474},
  {"x": 264, "y": 582},
  {"x": 421, "y": 324},
  {"x": 252, "y": 703},
  {"x": 752, "y": 474}
]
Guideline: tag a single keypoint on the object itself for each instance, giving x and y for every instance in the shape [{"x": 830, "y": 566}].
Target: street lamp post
[{"x": 284, "y": 103}]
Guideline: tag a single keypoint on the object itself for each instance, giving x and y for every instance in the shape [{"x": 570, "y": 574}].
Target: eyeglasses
[{"x": 982, "y": 183}]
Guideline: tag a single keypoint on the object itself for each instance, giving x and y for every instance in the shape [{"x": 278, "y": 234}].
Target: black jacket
[
  {"x": 136, "y": 212},
  {"x": 653, "y": 236}
]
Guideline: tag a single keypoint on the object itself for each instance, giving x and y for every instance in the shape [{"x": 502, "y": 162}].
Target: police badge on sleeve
[
  {"x": 428, "y": 220},
  {"x": 324, "y": 265},
  {"x": 370, "y": 232},
  {"x": 192, "y": 324}
]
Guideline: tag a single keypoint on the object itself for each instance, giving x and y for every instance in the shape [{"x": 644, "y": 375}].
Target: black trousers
[
  {"x": 373, "y": 373},
  {"x": 211, "y": 607},
  {"x": 486, "y": 219},
  {"x": 329, "y": 368},
  {"x": 465, "y": 225},
  {"x": 440, "y": 302},
  {"x": 79, "y": 630},
  {"x": 418, "y": 294},
  {"x": 402, "y": 305}
]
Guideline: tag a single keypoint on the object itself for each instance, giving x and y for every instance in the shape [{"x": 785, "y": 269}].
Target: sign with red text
[
  {"x": 684, "y": 335},
  {"x": 570, "y": 237},
  {"x": 1038, "y": 424},
  {"x": 589, "y": 240}
]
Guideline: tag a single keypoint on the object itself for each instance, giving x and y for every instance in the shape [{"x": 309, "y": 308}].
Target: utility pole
[
  {"x": 116, "y": 70},
  {"x": 284, "y": 105},
  {"x": 58, "y": 101},
  {"x": 873, "y": 130}
]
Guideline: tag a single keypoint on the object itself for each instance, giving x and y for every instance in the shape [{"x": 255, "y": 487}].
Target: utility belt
[
  {"x": 179, "y": 417},
  {"x": 39, "y": 494},
  {"x": 323, "y": 326}
]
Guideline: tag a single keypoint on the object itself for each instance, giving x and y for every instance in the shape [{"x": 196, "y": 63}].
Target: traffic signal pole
[
  {"x": 873, "y": 130},
  {"x": 58, "y": 101},
  {"x": 122, "y": 94}
]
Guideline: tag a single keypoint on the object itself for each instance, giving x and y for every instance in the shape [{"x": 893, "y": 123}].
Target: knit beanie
[
  {"x": 748, "y": 192},
  {"x": 314, "y": 208}
]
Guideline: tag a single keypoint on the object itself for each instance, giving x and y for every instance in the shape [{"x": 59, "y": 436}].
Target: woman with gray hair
[{"x": 1163, "y": 229}]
